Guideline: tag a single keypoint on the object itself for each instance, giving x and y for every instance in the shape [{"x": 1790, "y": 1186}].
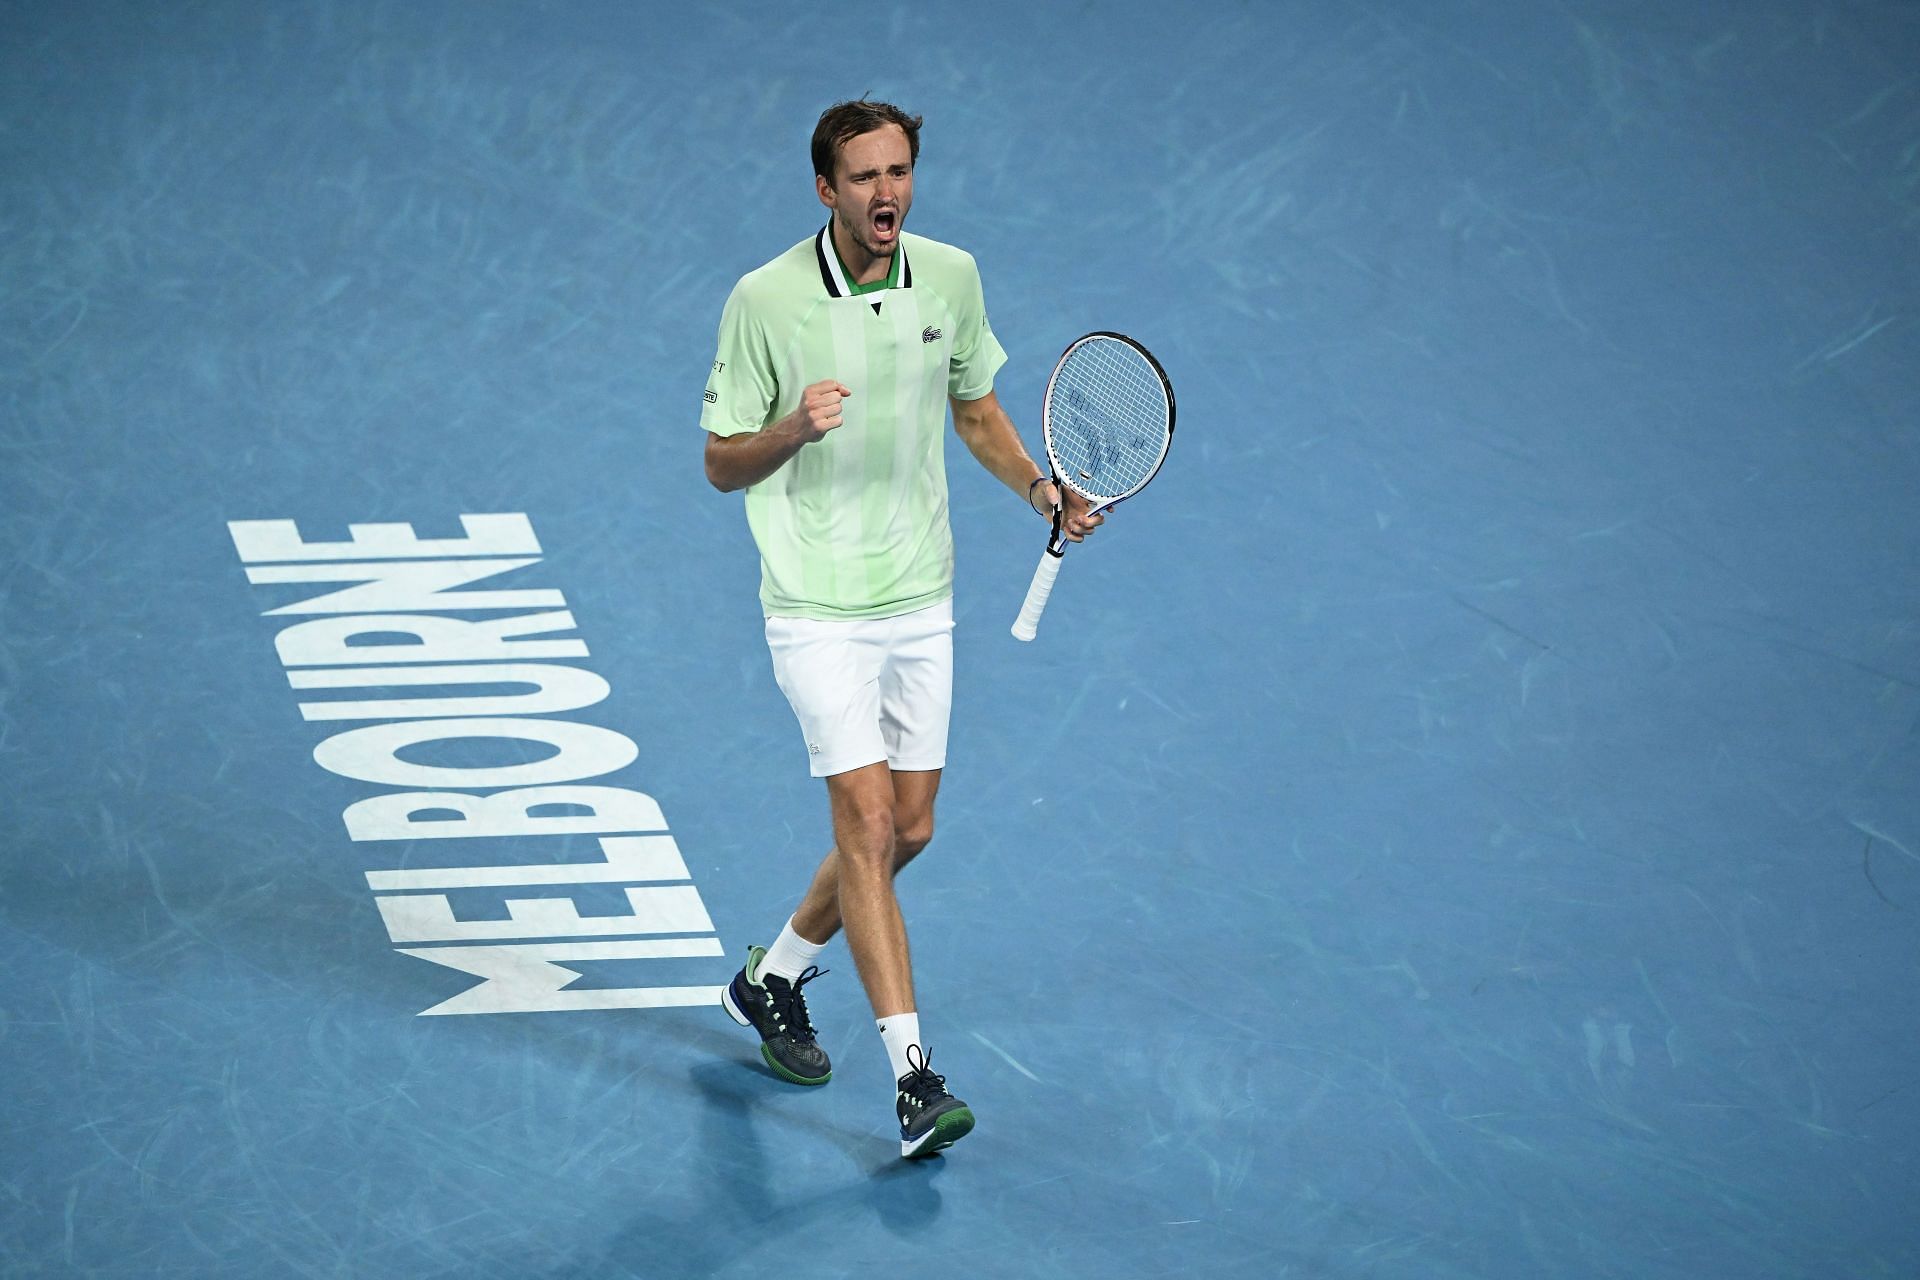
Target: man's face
[{"x": 872, "y": 188}]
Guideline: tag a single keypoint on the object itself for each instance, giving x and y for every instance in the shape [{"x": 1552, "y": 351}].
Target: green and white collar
[{"x": 834, "y": 275}]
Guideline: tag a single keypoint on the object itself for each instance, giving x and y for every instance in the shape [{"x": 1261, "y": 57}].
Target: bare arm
[
  {"x": 990, "y": 436},
  {"x": 734, "y": 462}
]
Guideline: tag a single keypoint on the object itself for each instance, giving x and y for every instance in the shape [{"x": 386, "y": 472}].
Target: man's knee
[
  {"x": 911, "y": 836},
  {"x": 865, "y": 830}
]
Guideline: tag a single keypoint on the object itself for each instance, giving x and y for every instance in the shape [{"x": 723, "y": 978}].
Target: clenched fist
[{"x": 819, "y": 410}]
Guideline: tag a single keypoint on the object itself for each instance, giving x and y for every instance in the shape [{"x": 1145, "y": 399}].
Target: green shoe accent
[
  {"x": 947, "y": 1130},
  {"x": 754, "y": 957},
  {"x": 787, "y": 1075}
]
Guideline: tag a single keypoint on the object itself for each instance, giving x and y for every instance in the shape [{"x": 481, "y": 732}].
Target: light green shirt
[{"x": 855, "y": 524}]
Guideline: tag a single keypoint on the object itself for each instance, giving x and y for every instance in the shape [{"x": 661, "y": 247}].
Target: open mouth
[{"x": 885, "y": 221}]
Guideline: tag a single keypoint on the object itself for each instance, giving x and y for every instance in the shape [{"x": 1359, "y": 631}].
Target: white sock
[
  {"x": 900, "y": 1030},
  {"x": 790, "y": 954}
]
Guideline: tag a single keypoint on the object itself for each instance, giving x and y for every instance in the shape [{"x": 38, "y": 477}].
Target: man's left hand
[{"x": 1080, "y": 519}]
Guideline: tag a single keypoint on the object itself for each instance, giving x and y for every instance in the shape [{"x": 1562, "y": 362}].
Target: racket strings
[{"x": 1107, "y": 419}]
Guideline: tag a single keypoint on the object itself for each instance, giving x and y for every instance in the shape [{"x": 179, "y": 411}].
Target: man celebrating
[{"x": 826, "y": 404}]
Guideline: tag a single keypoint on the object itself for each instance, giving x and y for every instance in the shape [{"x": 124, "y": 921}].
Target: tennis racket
[{"x": 1108, "y": 421}]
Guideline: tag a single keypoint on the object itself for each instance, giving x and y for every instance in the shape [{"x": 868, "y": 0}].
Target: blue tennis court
[{"x": 1463, "y": 820}]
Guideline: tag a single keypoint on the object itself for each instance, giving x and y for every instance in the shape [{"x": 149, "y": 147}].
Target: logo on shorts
[
  {"x": 813, "y": 748},
  {"x": 712, "y": 397},
  {"x": 929, "y": 334}
]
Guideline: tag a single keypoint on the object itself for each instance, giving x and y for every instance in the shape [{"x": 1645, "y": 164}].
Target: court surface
[{"x": 1462, "y": 821}]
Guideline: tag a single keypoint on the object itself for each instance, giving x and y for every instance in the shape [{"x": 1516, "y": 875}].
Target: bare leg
[
  {"x": 859, "y": 873},
  {"x": 817, "y": 918}
]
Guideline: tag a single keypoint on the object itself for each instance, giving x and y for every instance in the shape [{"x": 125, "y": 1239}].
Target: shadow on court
[{"x": 743, "y": 1214}]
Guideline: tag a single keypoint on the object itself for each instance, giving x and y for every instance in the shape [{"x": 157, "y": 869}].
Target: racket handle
[{"x": 1027, "y": 625}]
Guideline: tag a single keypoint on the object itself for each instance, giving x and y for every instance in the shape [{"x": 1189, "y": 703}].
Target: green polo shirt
[{"x": 855, "y": 524}]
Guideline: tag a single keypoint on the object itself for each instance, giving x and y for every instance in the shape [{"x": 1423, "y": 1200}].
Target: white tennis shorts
[{"x": 868, "y": 689}]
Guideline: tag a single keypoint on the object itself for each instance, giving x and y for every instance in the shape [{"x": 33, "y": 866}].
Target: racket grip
[{"x": 1027, "y": 625}]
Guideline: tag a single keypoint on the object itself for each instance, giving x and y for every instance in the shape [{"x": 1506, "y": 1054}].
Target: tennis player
[{"x": 827, "y": 402}]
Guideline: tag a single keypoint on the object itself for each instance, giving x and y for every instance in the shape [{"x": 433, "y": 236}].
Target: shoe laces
[
  {"x": 920, "y": 1083},
  {"x": 790, "y": 1005}
]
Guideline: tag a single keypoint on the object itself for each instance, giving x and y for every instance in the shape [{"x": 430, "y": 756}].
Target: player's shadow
[
  {"x": 732, "y": 1096},
  {"x": 737, "y": 1207}
]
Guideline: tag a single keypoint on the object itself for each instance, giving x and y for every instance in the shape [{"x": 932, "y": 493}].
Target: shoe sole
[
  {"x": 947, "y": 1130},
  {"x": 773, "y": 1064}
]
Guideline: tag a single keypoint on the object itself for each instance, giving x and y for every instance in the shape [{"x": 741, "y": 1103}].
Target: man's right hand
[
  {"x": 819, "y": 410},
  {"x": 747, "y": 458}
]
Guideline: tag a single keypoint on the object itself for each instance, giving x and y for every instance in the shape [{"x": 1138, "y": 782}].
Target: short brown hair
[{"x": 846, "y": 120}]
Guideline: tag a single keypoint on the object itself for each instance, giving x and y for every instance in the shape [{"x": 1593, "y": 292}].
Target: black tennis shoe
[
  {"x": 777, "y": 1009},
  {"x": 931, "y": 1119}
]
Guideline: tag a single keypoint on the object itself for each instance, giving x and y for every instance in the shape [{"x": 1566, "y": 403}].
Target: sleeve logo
[{"x": 929, "y": 334}]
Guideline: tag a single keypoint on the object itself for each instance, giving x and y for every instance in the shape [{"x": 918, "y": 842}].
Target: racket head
[{"x": 1108, "y": 417}]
